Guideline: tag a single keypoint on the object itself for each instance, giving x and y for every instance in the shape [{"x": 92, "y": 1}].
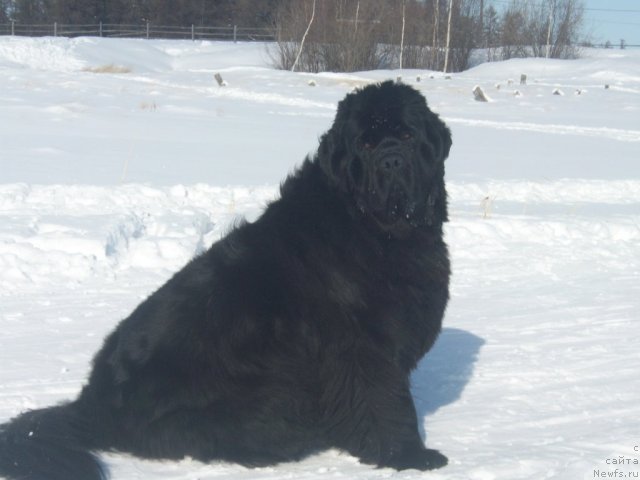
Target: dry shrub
[{"x": 110, "y": 68}]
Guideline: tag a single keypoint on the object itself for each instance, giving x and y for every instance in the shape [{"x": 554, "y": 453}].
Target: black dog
[{"x": 290, "y": 335}]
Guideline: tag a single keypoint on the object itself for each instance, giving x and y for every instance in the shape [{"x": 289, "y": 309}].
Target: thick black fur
[{"x": 290, "y": 335}]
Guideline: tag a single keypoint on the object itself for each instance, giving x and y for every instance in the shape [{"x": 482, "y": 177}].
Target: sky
[{"x": 613, "y": 20}]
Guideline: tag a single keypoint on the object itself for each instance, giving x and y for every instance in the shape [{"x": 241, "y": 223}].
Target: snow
[{"x": 109, "y": 182}]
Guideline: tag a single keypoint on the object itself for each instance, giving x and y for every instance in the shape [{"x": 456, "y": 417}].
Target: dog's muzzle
[{"x": 394, "y": 183}]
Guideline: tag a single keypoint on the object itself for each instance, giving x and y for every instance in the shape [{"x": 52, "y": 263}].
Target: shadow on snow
[{"x": 443, "y": 374}]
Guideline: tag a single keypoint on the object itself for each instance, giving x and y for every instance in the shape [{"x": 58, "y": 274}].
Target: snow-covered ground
[{"x": 109, "y": 182}]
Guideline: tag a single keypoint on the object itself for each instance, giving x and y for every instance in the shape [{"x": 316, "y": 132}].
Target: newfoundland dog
[{"x": 290, "y": 335}]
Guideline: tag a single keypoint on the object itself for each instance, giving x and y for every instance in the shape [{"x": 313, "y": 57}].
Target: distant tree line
[
  {"x": 254, "y": 13},
  {"x": 350, "y": 35}
]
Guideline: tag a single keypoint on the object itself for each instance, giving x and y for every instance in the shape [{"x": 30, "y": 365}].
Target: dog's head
[{"x": 387, "y": 150}]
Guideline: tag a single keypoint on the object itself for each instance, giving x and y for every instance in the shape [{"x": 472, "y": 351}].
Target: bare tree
[
  {"x": 358, "y": 35},
  {"x": 4, "y": 11},
  {"x": 404, "y": 11},
  {"x": 447, "y": 51},
  {"x": 568, "y": 18},
  {"x": 304, "y": 37},
  {"x": 550, "y": 27},
  {"x": 546, "y": 29},
  {"x": 435, "y": 46},
  {"x": 513, "y": 40},
  {"x": 30, "y": 11},
  {"x": 466, "y": 34},
  {"x": 345, "y": 36},
  {"x": 492, "y": 31}
]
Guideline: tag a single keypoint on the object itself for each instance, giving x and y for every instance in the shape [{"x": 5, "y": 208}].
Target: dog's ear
[
  {"x": 332, "y": 151},
  {"x": 445, "y": 135},
  {"x": 439, "y": 135},
  {"x": 330, "y": 155}
]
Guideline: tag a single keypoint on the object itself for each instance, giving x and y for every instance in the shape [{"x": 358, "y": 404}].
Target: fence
[
  {"x": 146, "y": 30},
  {"x": 149, "y": 30}
]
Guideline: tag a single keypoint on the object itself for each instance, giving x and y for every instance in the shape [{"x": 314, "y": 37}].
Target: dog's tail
[{"x": 50, "y": 444}]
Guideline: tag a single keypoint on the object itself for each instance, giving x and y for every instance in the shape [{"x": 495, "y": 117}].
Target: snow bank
[{"x": 61, "y": 54}]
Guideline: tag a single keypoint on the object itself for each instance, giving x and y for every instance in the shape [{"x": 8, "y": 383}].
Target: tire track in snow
[
  {"x": 239, "y": 93},
  {"x": 601, "y": 132}
]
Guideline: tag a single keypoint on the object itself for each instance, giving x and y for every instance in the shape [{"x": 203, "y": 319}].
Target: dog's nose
[{"x": 391, "y": 163}]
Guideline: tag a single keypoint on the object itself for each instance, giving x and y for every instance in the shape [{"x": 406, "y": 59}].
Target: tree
[
  {"x": 404, "y": 23},
  {"x": 4, "y": 11},
  {"x": 304, "y": 37},
  {"x": 548, "y": 28},
  {"x": 513, "y": 40},
  {"x": 72, "y": 11},
  {"x": 447, "y": 48},
  {"x": 30, "y": 11},
  {"x": 467, "y": 33},
  {"x": 491, "y": 32},
  {"x": 568, "y": 18},
  {"x": 345, "y": 35}
]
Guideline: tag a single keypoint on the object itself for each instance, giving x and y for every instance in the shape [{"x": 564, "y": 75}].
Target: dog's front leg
[{"x": 369, "y": 412}]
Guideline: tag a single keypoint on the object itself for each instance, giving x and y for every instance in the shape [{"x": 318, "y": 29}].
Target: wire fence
[{"x": 146, "y": 30}]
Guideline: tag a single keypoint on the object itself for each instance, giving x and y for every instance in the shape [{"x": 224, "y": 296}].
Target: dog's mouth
[
  {"x": 395, "y": 178},
  {"x": 393, "y": 207},
  {"x": 398, "y": 205},
  {"x": 401, "y": 207}
]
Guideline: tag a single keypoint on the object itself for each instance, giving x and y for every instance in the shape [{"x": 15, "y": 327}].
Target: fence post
[
  {"x": 235, "y": 33},
  {"x": 13, "y": 28},
  {"x": 147, "y": 30},
  {"x": 55, "y": 29},
  {"x": 100, "y": 28},
  {"x": 193, "y": 33}
]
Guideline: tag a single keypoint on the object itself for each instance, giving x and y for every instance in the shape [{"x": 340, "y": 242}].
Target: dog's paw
[{"x": 419, "y": 459}]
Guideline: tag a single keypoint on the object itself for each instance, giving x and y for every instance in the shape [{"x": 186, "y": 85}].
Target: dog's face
[{"x": 387, "y": 149}]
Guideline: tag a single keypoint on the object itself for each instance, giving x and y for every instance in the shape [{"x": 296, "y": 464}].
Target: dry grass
[
  {"x": 148, "y": 106},
  {"x": 111, "y": 68}
]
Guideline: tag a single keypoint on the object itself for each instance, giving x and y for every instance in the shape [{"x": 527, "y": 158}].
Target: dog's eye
[
  {"x": 405, "y": 136},
  {"x": 367, "y": 145}
]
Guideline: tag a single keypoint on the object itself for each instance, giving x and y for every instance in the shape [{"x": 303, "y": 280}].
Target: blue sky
[{"x": 605, "y": 23}]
